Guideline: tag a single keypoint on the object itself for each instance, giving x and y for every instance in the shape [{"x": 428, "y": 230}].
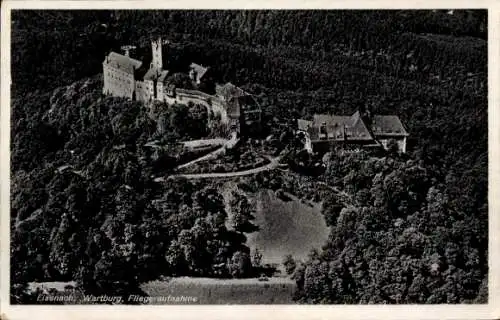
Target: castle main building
[{"x": 121, "y": 76}]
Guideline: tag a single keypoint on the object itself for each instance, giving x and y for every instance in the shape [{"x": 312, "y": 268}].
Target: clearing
[
  {"x": 286, "y": 227},
  {"x": 223, "y": 291}
]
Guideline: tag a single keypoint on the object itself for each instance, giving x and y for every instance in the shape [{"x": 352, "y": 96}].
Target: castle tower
[{"x": 157, "y": 57}]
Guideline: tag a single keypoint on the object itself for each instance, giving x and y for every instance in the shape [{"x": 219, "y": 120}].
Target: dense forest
[{"x": 413, "y": 230}]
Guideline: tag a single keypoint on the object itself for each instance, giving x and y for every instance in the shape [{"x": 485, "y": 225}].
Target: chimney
[{"x": 366, "y": 114}]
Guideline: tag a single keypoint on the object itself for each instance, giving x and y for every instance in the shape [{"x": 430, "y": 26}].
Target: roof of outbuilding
[
  {"x": 353, "y": 127},
  {"x": 330, "y": 120},
  {"x": 341, "y": 127},
  {"x": 388, "y": 125}
]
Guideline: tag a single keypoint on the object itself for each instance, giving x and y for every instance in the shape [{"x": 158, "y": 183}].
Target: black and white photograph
[{"x": 248, "y": 157}]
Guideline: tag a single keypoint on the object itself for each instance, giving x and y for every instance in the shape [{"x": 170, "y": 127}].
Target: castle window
[{"x": 322, "y": 128}]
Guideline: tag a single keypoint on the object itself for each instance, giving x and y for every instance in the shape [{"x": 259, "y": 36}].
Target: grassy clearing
[
  {"x": 286, "y": 227},
  {"x": 223, "y": 291}
]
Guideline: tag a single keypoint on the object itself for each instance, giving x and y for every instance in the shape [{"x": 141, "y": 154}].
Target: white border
[{"x": 489, "y": 311}]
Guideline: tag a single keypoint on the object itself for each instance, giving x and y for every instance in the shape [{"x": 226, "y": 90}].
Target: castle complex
[{"x": 128, "y": 78}]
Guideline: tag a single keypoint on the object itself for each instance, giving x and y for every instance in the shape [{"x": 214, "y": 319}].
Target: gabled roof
[
  {"x": 200, "y": 70},
  {"x": 152, "y": 74},
  {"x": 121, "y": 62},
  {"x": 340, "y": 127},
  {"x": 388, "y": 125},
  {"x": 163, "y": 76},
  {"x": 357, "y": 128}
]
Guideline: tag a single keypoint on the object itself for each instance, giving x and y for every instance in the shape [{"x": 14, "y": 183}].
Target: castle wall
[
  {"x": 141, "y": 91},
  {"x": 150, "y": 88},
  {"x": 160, "y": 91},
  {"x": 184, "y": 96},
  {"x": 117, "y": 82}
]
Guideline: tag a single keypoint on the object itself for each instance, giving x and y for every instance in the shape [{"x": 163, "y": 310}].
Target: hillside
[{"x": 84, "y": 206}]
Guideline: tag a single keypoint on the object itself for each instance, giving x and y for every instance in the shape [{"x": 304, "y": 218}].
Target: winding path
[
  {"x": 208, "y": 156},
  {"x": 226, "y": 144},
  {"x": 272, "y": 165}
]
